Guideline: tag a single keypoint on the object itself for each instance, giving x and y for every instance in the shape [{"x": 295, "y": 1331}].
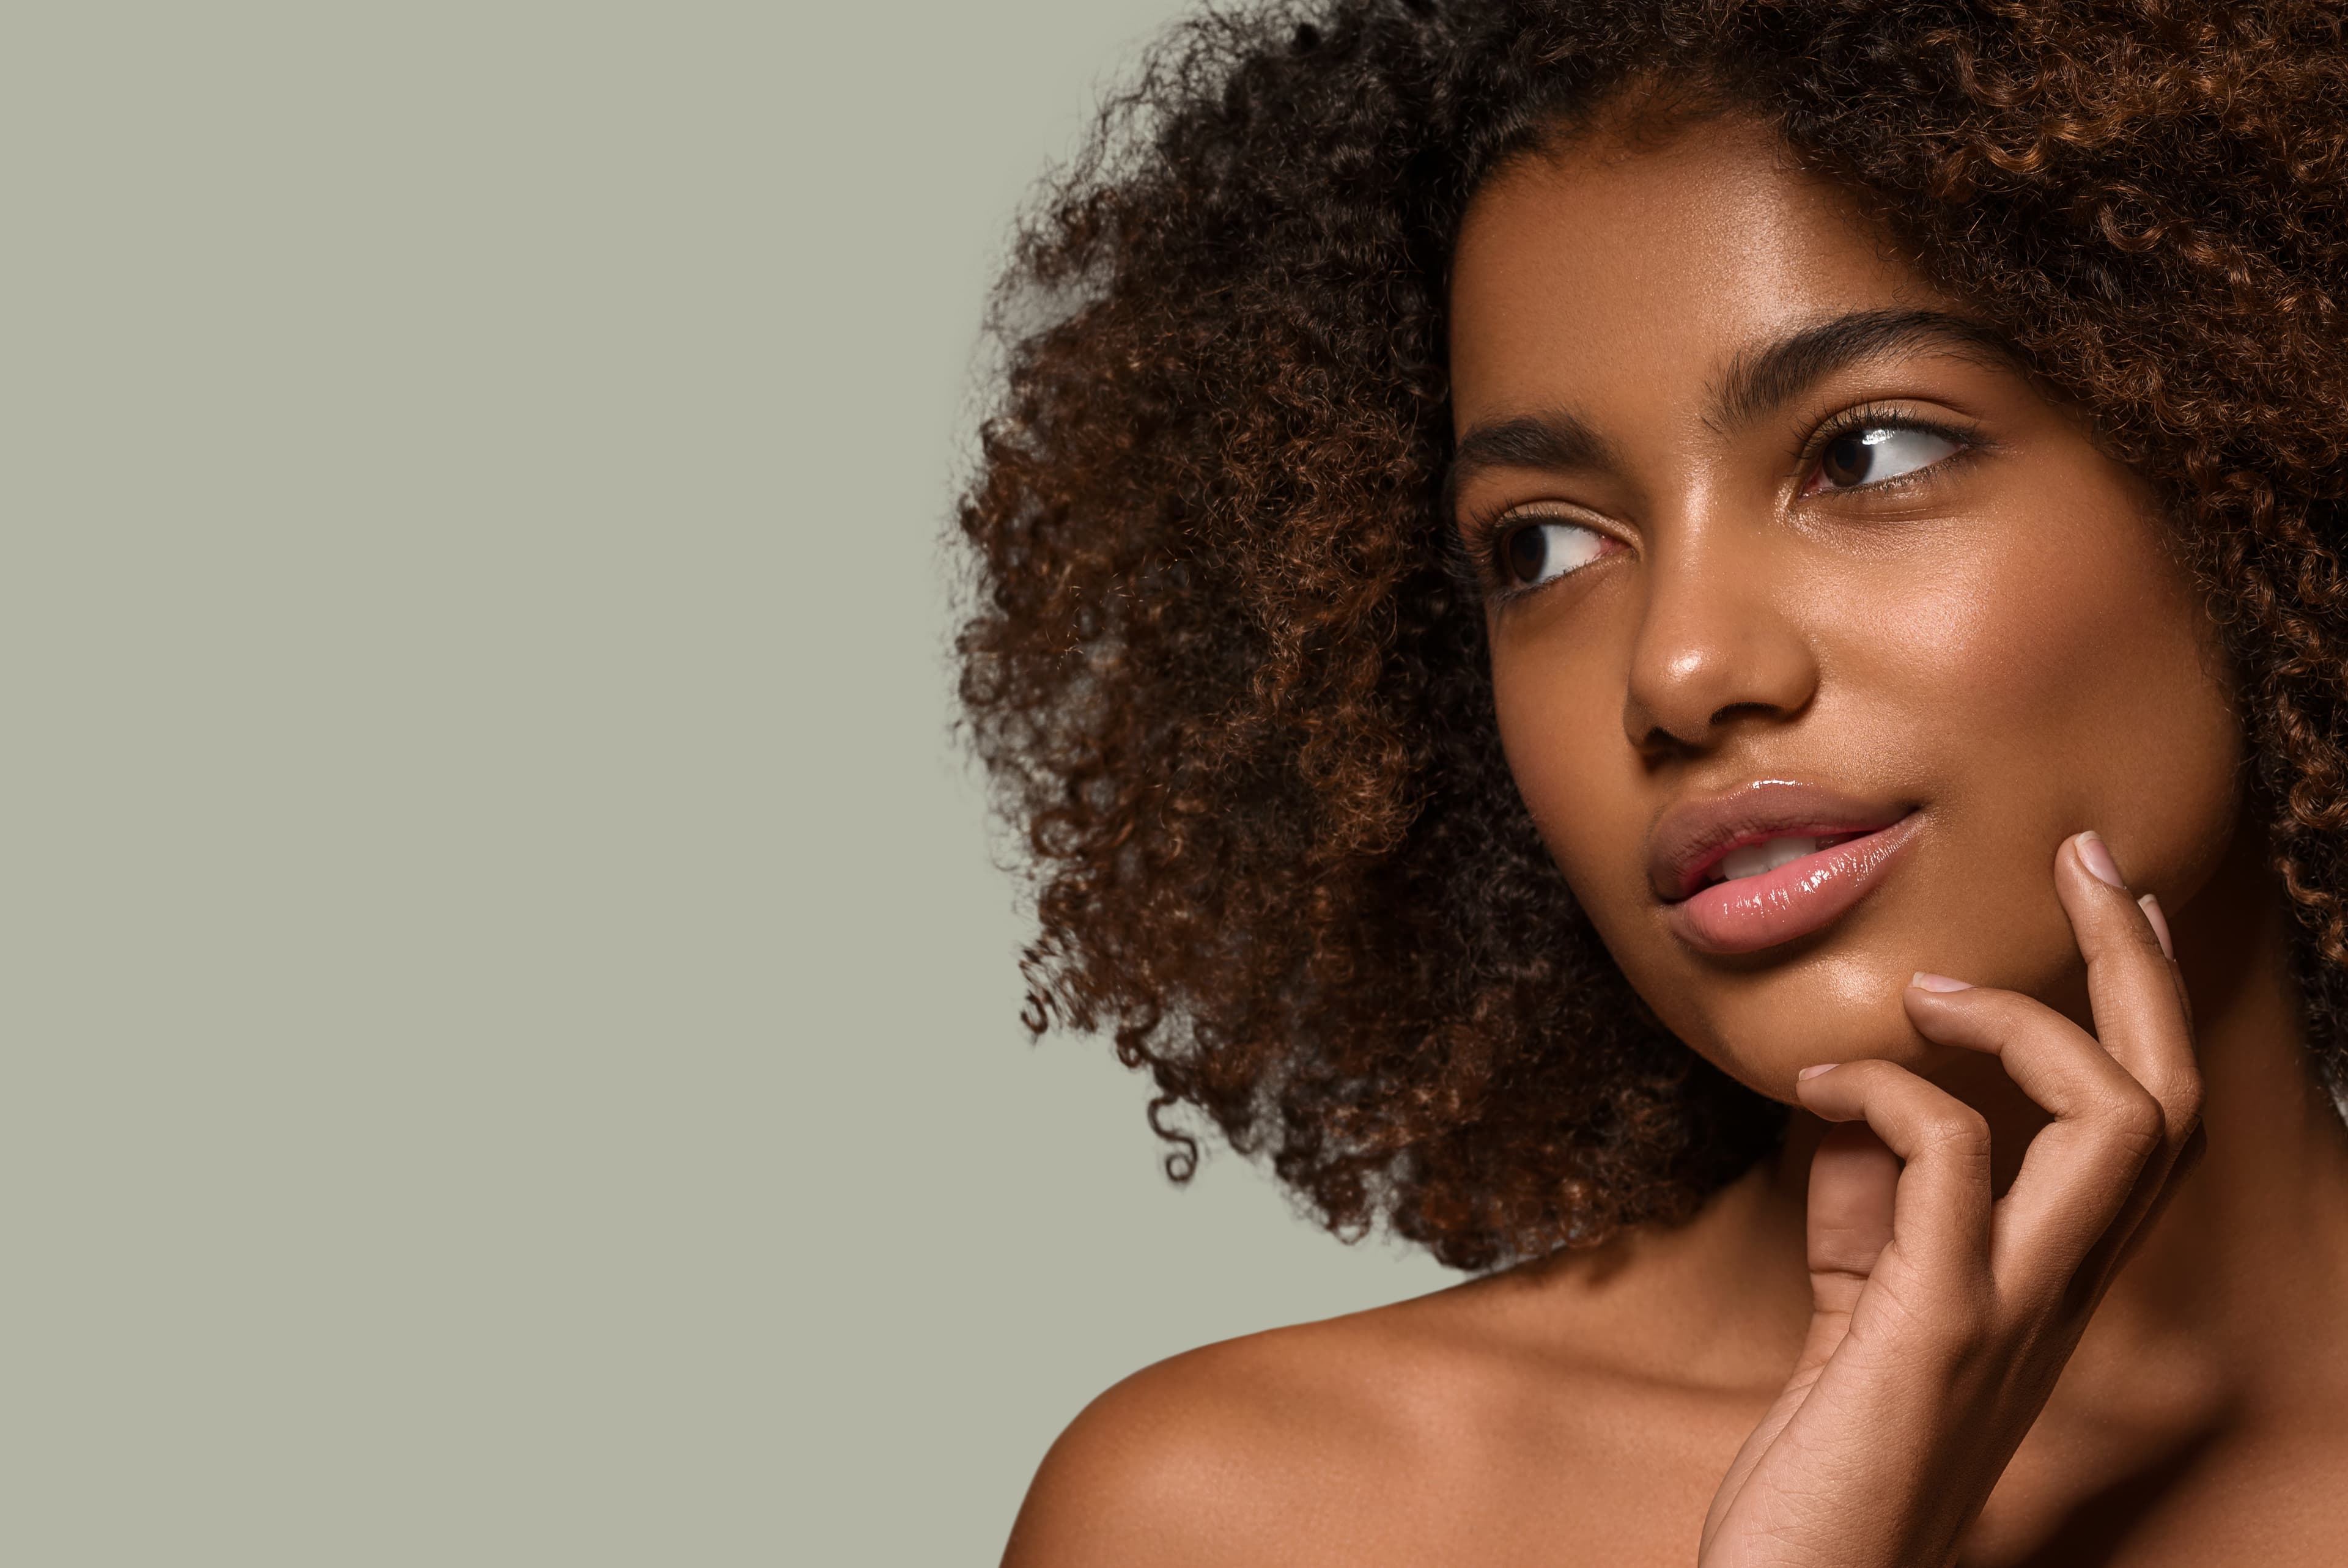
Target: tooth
[{"x": 1753, "y": 859}]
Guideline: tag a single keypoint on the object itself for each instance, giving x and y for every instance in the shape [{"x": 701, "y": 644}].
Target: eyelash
[
  {"x": 1476, "y": 555},
  {"x": 1870, "y": 416}
]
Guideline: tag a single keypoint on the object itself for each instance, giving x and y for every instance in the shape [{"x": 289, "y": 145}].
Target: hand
[{"x": 1940, "y": 1319}]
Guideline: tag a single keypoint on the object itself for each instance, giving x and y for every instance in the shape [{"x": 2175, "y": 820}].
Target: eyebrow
[
  {"x": 1763, "y": 382},
  {"x": 1552, "y": 440},
  {"x": 1757, "y": 383}
]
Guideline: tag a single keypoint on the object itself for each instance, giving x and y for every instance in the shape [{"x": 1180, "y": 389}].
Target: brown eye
[
  {"x": 1846, "y": 461},
  {"x": 1875, "y": 453},
  {"x": 1542, "y": 552},
  {"x": 1528, "y": 552}
]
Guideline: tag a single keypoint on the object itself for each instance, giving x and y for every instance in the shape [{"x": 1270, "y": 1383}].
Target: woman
[{"x": 1693, "y": 654}]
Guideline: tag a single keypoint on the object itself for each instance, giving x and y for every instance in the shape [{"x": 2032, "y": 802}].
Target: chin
[
  {"x": 1767, "y": 1057},
  {"x": 1763, "y": 1026}
]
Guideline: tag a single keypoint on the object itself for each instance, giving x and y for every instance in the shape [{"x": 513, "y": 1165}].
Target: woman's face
[{"x": 1815, "y": 627}]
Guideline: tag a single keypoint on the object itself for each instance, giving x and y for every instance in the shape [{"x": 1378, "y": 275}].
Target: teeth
[{"x": 1753, "y": 859}]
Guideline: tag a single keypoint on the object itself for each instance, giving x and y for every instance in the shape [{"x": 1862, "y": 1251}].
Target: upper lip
[{"x": 1690, "y": 838}]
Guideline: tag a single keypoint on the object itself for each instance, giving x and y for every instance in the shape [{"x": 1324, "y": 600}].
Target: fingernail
[
  {"x": 2151, "y": 907},
  {"x": 1822, "y": 1067},
  {"x": 2096, "y": 857},
  {"x": 1925, "y": 981}
]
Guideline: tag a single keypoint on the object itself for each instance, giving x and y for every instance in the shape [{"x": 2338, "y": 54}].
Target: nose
[{"x": 1718, "y": 641}]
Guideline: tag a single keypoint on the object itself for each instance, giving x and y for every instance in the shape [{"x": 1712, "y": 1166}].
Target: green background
[{"x": 508, "y": 1039}]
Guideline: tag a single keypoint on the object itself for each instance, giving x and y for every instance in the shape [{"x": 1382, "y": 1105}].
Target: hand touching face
[{"x": 1815, "y": 625}]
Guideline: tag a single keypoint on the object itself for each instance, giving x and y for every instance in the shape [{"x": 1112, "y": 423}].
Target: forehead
[{"x": 1612, "y": 271}]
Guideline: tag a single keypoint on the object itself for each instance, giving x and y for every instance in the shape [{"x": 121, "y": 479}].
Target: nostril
[
  {"x": 1738, "y": 710},
  {"x": 1662, "y": 733}
]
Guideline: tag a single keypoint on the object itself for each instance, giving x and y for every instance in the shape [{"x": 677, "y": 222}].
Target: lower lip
[{"x": 1796, "y": 898}]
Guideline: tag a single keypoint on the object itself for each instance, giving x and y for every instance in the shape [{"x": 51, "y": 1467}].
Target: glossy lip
[{"x": 1794, "y": 900}]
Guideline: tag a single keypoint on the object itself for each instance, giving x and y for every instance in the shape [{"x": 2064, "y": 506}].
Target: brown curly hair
[{"x": 1225, "y": 672}]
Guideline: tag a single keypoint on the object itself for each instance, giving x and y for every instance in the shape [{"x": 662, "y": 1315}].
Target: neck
[{"x": 2247, "y": 1263}]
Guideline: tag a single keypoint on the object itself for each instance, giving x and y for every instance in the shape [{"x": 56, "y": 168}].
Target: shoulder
[
  {"x": 1221, "y": 1455},
  {"x": 1385, "y": 1436}
]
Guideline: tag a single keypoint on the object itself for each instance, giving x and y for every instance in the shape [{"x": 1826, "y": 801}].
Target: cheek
[
  {"x": 2049, "y": 673},
  {"x": 1558, "y": 701},
  {"x": 2068, "y": 681}
]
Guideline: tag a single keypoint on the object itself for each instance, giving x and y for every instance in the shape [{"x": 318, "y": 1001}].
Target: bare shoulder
[
  {"x": 1230, "y": 1454},
  {"x": 1407, "y": 1434}
]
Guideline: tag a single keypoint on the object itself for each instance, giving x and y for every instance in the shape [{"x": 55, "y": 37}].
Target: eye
[
  {"x": 1874, "y": 452},
  {"x": 1543, "y": 552}
]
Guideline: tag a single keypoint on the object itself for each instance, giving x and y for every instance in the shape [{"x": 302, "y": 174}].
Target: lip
[{"x": 1793, "y": 900}]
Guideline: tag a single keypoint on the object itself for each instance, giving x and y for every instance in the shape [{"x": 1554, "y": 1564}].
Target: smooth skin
[{"x": 2054, "y": 1267}]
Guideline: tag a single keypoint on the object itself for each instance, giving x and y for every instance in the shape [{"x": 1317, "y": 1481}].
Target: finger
[
  {"x": 2153, "y": 1191},
  {"x": 2159, "y": 924},
  {"x": 1939, "y": 1212},
  {"x": 2080, "y": 1170},
  {"x": 1854, "y": 1179},
  {"x": 2055, "y": 1062},
  {"x": 2131, "y": 984},
  {"x": 2158, "y": 921}
]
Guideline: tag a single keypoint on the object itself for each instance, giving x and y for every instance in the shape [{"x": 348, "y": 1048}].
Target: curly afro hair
[{"x": 1227, "y": 682}]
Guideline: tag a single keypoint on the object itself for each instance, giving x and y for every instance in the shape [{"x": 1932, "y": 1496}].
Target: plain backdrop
[{"x": 510, "y": 1016}]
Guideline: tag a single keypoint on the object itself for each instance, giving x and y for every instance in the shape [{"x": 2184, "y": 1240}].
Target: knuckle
[
  {"x": 2178, "y": 1107},
  {"x": 1973, "y": 1329},
  {"x": 2182, "y": 1096},
  {"x": 1874, "y": 1078},
  {"x": 1965, "y": 1324},
  {"x": 2137, "y": 1121},
  {"x": 1960, "y": 1128}
]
